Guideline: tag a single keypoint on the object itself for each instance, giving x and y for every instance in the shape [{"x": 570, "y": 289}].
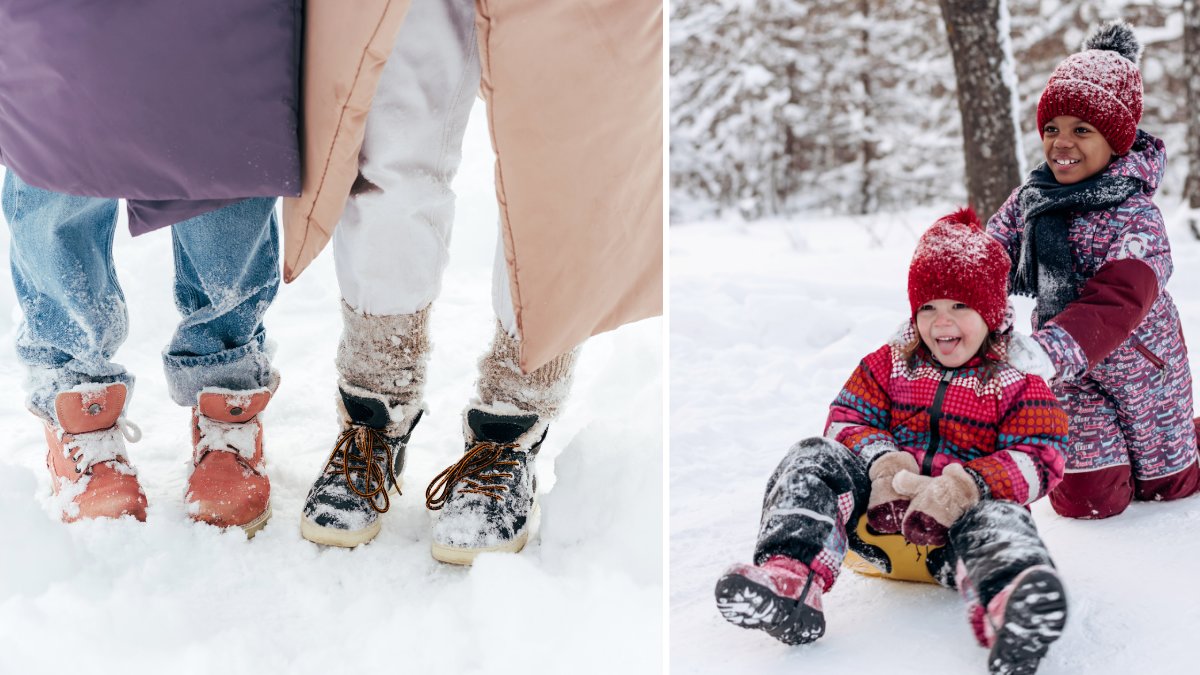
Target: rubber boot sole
[
  {"x": 749, "y": 604},
  {"x": 466, "y": 556},
  {"x": 1034, "y": 616},
  {"x": 251, "y": 528}
]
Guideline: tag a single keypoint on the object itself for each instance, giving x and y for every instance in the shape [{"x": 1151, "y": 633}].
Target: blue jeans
[{"x": 226, "y": 275}]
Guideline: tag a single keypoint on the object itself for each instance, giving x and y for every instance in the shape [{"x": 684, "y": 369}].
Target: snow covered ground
[
  {"x": 767, "y": 322},
  {"x": 172, "y": 596}
]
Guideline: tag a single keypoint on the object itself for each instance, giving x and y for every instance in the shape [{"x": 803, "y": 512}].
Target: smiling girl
[
  {"x": 935, "y": 441},
  {"x": 1089, "y": 244}
]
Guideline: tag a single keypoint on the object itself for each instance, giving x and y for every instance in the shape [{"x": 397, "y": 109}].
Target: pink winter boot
[
  {"x": 782, "y": 597},
  {"x": 86, "y": 455},
  {"x": 1021, "y": 621},
  {"x": 229, "y": 486}
]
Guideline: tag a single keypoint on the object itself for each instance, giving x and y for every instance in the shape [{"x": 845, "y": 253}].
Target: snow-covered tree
[
  {"x": 783, "y": 105},
  {"x": 849, "y": 106}
]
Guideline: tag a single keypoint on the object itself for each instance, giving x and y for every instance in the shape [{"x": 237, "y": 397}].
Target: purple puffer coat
[
  {"x": 1122, "y": 368},
  {"x": 1124, "y": 258},
  {"x": 179, "y": 106}
]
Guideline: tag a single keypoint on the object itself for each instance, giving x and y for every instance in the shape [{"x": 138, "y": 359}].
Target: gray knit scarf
[{"x": 1044, "y": 270}]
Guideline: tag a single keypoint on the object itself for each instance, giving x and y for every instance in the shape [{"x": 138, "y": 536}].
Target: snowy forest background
[{"x": 780, "y": 107}]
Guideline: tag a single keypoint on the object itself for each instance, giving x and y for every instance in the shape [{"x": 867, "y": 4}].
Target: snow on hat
[
  {"x": 1100, "y": 85},
  {"x": 956, "y": 260}
]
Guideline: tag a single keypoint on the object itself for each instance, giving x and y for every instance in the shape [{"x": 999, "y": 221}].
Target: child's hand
[
  {"x": 886, "y": 507},
  {"x": 936, "y": 503},
  {"x": 1027, "y": 356}
]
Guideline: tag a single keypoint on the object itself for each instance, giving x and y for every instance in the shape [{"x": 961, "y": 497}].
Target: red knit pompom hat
[
  {"x": 956, "y": 260},
  {"x": 1100, "y": 85}
]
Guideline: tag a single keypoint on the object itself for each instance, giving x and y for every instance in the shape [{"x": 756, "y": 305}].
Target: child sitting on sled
[{"x": 936, "y": 444}]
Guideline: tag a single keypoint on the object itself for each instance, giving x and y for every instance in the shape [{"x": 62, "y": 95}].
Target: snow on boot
[
  {"x": 488, "y": 498},
  {"x": 228, "y": 486},
  {"x": 346, "y": 501},
  {"x": 781, "y": 597},
  {"x": 86, "y": 458},
  {"x": 1023, "y": 619}
]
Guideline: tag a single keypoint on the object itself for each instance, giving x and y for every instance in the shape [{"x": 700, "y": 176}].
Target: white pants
[{"x": 392, "y": 244}]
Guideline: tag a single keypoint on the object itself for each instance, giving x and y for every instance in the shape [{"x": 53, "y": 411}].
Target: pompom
[
  {"x": 1116, "y": 36},
  {"x": 964, "y": 216}
]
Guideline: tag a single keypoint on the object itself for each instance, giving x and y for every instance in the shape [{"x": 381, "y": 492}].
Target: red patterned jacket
[{"x": 1007, "y": 430}]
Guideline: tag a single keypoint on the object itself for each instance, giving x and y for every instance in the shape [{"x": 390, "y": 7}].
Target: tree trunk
[
  {"x": 1191, "y": 74},
  {"x": 867, "y": 149},
  {"x": 985, "y": 101}
]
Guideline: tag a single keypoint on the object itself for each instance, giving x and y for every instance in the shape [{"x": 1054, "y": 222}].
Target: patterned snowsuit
[
  {"x": 1007, "y": 430},
  {"x": 1123, "y": 374}
]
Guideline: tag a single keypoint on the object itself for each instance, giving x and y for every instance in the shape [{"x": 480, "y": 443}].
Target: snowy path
[
  {"x": 767, "y": 322},
  {"x": 171, "y": 596}
]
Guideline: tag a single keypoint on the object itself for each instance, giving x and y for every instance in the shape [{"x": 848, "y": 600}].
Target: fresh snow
[
  {"x": 169, "y": 596},
  {"x": 767, "y": 322}
]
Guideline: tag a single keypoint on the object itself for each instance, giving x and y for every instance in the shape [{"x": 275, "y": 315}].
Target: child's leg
[
  {"x": 816, "y": 492},
  {"x": 1157, "y": 421},
  {"x": 74, "y": 310},
  {"x": 226, "y": 275},
  {"x": 392, "y": 243},
  {"x": 390, "y": 250},
  {"x": 75, "y": 320},
  {"x": 1015, "y": 600},
  {"x": 1098, "y": 482}
]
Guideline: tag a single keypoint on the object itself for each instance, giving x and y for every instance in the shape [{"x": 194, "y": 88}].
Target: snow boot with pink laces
[
  {"x": 781, "y": 597},
  {"x": 88, "y": 469},
  {"x": 228, "y": 486}
]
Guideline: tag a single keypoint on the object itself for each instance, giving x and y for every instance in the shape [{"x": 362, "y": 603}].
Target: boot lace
[
  {"x": 105, "y": 445},
  {"x": 477, "y": 459},
  {"x": 365, "y": 453}
]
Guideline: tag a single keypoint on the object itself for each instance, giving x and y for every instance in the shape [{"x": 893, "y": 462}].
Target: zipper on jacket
[
  {"x": 1150, "y": 356},
  {"x": 935, "y": 414},
  {"x": 1154, "y": 360}
]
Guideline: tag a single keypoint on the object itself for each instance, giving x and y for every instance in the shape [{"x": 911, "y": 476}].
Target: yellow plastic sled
[{"x": 903, "y": 561}]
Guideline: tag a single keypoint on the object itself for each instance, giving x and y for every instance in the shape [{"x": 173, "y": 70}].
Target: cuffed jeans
[{"x": 226, "y": 275}]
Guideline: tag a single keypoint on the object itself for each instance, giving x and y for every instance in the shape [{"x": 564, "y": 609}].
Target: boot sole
[
  {"x": 251, "y": 528},
  {"x": 1034, "y": 617},
  {"x": 466, "y": 556},
  {"x": 332, "y": 536},
  {"x": 748, "y": 604}
]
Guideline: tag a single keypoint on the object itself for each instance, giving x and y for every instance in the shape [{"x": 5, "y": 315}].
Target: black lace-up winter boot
[
  {"x": 487, "y": 500},
  {"x": 343, "y": 507}
]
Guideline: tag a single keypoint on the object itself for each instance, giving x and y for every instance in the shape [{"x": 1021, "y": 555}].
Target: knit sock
[
  {"x": 501, "y": 381},
  {"x": 386, "y": 355}
]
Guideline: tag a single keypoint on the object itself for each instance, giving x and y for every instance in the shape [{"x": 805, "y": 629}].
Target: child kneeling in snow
[
  {"x": 1088, "y": 242},
  {"x": 935, "y": 437}
]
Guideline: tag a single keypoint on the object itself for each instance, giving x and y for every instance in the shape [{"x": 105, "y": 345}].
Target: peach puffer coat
[{"x": 574, "y": 99}]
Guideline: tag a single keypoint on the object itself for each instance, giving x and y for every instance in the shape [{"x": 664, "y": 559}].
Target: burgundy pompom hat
[
  {"x": 957, "y": 260},
  {"x": 1100, "y": 85}
]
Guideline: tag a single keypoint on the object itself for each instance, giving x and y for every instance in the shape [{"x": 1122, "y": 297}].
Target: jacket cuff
[
  {"x": 985, "y": 491},
  {"x": 1064, "y": 351},
  {"x": 874, "y": 450}
]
